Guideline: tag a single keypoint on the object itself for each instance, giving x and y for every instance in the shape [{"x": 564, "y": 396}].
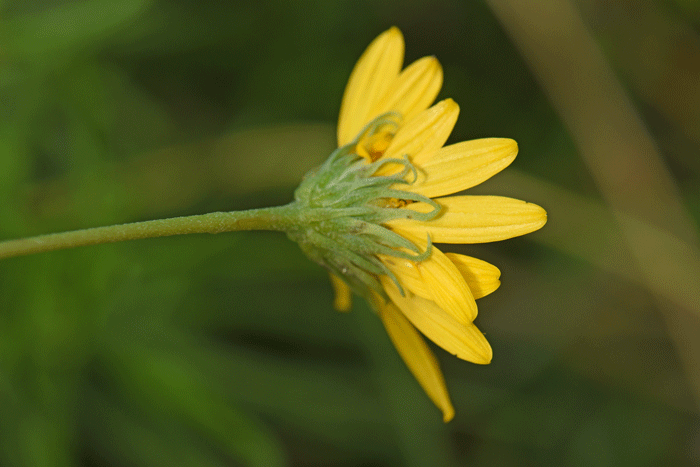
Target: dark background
[{"x": 224, "y": 350}]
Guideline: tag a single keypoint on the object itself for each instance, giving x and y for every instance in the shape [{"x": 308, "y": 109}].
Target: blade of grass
[{"x": 620, "y": 154}]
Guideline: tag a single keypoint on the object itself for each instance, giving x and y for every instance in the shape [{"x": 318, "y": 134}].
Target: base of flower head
[{"x": 344, "y": 207}]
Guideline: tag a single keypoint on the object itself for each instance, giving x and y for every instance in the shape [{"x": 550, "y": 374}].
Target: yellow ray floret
[
  {"x": 414, "y": 89},
  {"x": 436, "y": 279},
  {"x": 474, "y": 219},
  {"x": 481, "y": 277},
  {"x": 464, "y": 341},
  {"x": 426, "y": 133},
  {"x": 460, "y": 166},
  {"x": 418, "y": 357},
  {"x": 373, "y": 75}
]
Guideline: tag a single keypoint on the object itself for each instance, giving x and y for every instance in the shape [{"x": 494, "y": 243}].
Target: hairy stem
[{"x": 280, "y": 218}]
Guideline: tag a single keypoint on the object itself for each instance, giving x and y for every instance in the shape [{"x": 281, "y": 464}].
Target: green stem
[{"x": 282, "y": 218}]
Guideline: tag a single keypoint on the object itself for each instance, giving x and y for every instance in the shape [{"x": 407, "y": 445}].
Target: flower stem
[{"x": 281, "y": 218}]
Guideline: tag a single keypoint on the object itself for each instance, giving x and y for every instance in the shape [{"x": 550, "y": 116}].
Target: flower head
[{"x": 380, "y": 202}]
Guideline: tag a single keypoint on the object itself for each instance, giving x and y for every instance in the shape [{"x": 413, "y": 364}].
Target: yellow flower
[{"x": 435, "y": 294}]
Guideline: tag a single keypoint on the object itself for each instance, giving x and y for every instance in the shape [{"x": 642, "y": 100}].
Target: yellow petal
[
  {"x": 464, "y": 341},
  {"x": 418, "y": 357},
  {"x": 408, "y": 274},
  {"x": 437, "y": 279},
  {"x": 343, "y": 294},
  {"x": 374, "y": 73},
  {"x": 474, "y": 219},
  {"x": 481, "y": 277},
  {"x": 460, "y": 166},
  {"x": 427, "y": 132},
  {"x": 414, "y": 90}
]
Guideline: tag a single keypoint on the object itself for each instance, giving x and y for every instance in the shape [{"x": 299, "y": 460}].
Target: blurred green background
[{"x": 224, "y": 350}]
